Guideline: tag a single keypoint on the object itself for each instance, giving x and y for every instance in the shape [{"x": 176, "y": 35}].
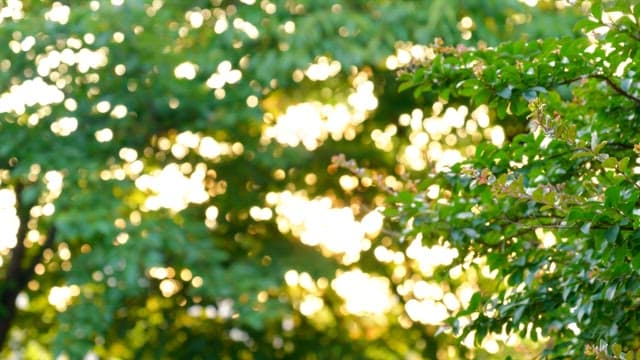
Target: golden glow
[
  {"x": 362, "y": 293},
  {"x": 246, "y": 27},
  {"x": 104, "y": 135},
  {"x": 209, "y": 148},
  {"x": 54, "y": 181},
  {"x": 311, "y": 123},
  {"x": 160, "y": 273},
  {"x": 322, "y": 69},
  {"x": 197, "y": 281},
  {"x": 29, "y": 93},
  {"x": 11, "y": 9},
  {"x": 9, "y": 221},
  {"x": 252, "y": 101},
  {"x": 372, "y": 223},
  {"x": 428, "y": 258},
  {"x": 317, "y": 223},
  {"x": 260, "y": 214},
  {"x": 348, "y": 182},
  {"x": 310, "y": 305},
  {"x": 291, "y": 277},
  {"x": 186, "y": 70},
  {"x": 122, "y": 238},
  {"x": 225, "y": 74},
  {"x": 407, "y": 53},
  {"x": 195, "y": 18},
  {"x": 186, "y": 275},
  {"x": 128, "y": 154},
  {"x": 83, "y": 58},
  {"x": 221, "y": 24},
  {"x": 497, "y": 135},
  {"x": 547, "y": 238},
  {"x": 211, "y": 215},
  {"x": 61, "y": 296},
  {"x": 383, "y": 139},
  {"x": 443, "y": 139},
  {"x": 64, "y": 252},
  {"x": 426, "y": 311},
  {"x": 58, "y": 13},
  {"x": 119, "y": 111},
  {"x": 172, "y": 189},
  {"x": 64, "y": 126},
  {"x": 363, "y": 98},
  {"x": 289, "y": 27},
  {"x": 302, "y": 123},
  {"x": 169, "y": 287}
]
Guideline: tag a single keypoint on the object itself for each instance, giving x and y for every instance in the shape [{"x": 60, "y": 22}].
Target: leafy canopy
[
  {"x": 553, "y": 212},
  {"x": 167, "y": 186}
]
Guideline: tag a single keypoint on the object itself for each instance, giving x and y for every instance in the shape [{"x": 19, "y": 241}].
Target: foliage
[
  {"x": 552, "y": 212},
  {"x": 142, "y": 176}
]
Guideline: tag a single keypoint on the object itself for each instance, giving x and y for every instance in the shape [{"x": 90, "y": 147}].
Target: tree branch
[
  {"x": 606, "y": 79},
  {"x": 616, "y": 87},
  {"x": 18, "y": 252},
  {"x": 18, "y": 275}
]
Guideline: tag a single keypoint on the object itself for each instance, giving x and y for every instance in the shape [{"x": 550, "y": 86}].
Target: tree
[
  {"x": 151, "y": 159},
  {"x": 548, "y": 213}
]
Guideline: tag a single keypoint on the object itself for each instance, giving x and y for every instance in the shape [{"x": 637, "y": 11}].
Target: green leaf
[
  {"x": 623, "y": 164},
  {"x": 539, "y": 89},
  {"x": 482, "y": 96},
  {"x": 612, "y": 197},
  {"x": 501, "y": 109},
  {"x": 538, "y": 195},
  {"x": 474, "y": 303},
  {"x": 519, "y": 106},
  {"x": 585, "y": 25},
  {"x": 635, "y": 262},
  {"x": 610, "y": 292},
  {"x": 517, "y": 314},
  {"x": 419, "y": 75},
  {"x": 612, "y": 233},
  {"x": 472, "y": 233},
  {"x": 596, "y": 9},
  {"x": 406, "y": 85},
  {"x": 530, "y": 95},
  {"x": 610, "y": 163},
  {"x": 496, "y": 260},
  {"x": 505, "y": 93},
  {"x": 616, "y": 349},
  {"x": 599, "y": 147},
  {"x": 445, "y": 94},
  {"x": 549, "y": 198},
  {"x": 580, "y": 154}
]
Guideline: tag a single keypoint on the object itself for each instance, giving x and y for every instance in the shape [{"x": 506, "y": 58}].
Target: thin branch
[
  {"x": 628, "y": 178},
  {"x": 616, "y": 87},
  {"x": 619, "y": 28},
  {"x": 18, "y": 252},
  {"x": 15, "y": 277},
  {"x": 18, "y": 275},
  {"x": 631, "y": 35},
  {"x": 606, "y": 79}
]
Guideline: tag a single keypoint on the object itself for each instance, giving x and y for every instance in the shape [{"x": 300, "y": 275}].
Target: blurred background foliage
[{"x": 170, "y": 184}]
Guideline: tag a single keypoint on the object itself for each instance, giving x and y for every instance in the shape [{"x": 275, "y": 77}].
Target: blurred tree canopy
[{"x": 170, "y": 184}]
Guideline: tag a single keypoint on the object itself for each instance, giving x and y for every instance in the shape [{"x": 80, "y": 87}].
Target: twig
[{"x": 616, "y": 87}]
